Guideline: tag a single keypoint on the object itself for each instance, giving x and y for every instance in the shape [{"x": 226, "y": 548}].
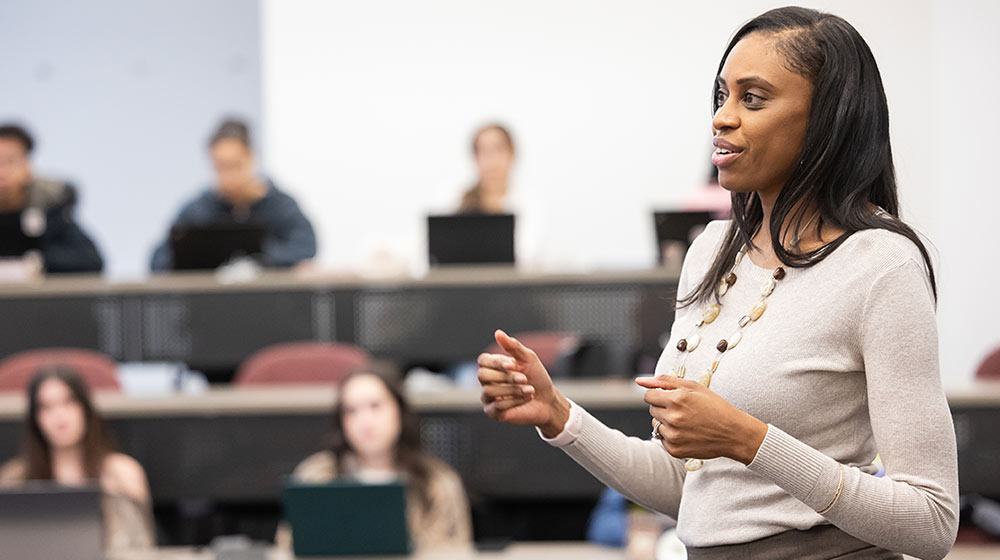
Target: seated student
[
  {"x": 41, "y": 210},
  {"x": 67, "y": 442},
  {"x": 376, "y": 439},
  {"x": 493, "y": 150},
  {"x": 241, "y": 196}
]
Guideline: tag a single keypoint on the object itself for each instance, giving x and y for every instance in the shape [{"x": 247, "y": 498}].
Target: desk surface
[
  {"x": 206, "y": 282},
  {"x": 610, "y": 393},
  {"x": 520, "y": 551},
  {"x": 231, "y": 401}
]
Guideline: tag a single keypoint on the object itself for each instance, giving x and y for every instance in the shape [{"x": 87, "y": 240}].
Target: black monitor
[
  {"x": 470, "y": 239},
  {"x": 206, "y": 247},
  {"x": 676, "y": 230}
]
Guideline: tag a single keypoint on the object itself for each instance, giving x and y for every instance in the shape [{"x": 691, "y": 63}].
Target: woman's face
[
  {"x": 59, "y": 415},
  {"x": 371, "y": 418},
  {"x": 763, "y": 110},
  {"x": 234, "y": 168},
  {"x": 493, "y": 154}
]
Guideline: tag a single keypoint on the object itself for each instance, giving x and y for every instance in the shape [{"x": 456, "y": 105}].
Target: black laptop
[
  {"x": 678, "y": 230},
  {"x": 207, "y": 247},
  {"x": 343, "y": 518},
  {"x": 43, "y": 521},
  {"x": 13, "y": 241},
  {"x": 470, "y": 239}
]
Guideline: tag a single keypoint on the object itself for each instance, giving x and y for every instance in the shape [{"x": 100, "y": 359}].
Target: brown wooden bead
[
  {"x": 731, "y": 278},
  {"x": 682, "y": 344},
  {"x": 722, "y": 345},
  {"x": 779, "y": 273}
]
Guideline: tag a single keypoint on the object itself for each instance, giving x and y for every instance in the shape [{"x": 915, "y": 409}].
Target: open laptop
[
  {"x": 13, "y": 241},
  {"x": 207, "y": 247},
  {"x": 347, "y": 518},
  {"x": 42, "y": 521},
  {"x": 676, "y": 230},
  {"x": 468, "y": 239}
]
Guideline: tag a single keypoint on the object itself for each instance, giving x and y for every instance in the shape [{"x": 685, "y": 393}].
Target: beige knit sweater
[{"x": 842, "y": 366}]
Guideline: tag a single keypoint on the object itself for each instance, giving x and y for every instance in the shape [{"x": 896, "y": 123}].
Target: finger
[
  {"x": 668, "y": 382},
  {"x": 497, "y": 390},
  {"x": 494, "y": 408},
  {"x": 513, "y": 347},
  {"x": 497, "y": 361},
  {"x": 659, "y": 398},
  {"x": 487, "y": 375}
]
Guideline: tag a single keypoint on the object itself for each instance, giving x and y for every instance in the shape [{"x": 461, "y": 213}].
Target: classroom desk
[
  {"x": 234, "y": 445},
  {"x": 447, "y": 315},
  {"x": 518, "y": 551}
]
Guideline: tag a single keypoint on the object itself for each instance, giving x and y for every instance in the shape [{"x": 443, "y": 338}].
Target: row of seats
[{"x": 286, "y": 363}]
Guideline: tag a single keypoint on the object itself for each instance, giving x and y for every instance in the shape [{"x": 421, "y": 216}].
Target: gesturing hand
[
  {"x": 698, "y": 423},
  {"x": 518, "y": 390}
]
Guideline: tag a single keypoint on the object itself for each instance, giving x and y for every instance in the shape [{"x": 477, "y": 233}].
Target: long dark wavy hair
[
  {"x": 409, "y": 455},
  {"x": 845, "y": 168},
  {"x": 97, "y": 442}
]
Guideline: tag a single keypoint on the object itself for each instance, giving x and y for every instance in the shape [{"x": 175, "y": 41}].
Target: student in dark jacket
[
  {"x": 241, "y": 196},
  {"x": 36, "y": 214}
]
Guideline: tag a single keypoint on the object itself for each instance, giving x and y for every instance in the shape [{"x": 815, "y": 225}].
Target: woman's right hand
[{"x": 518, "y": 390}]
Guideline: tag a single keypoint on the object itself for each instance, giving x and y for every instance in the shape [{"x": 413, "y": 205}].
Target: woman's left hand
[{"x": 697, "y": 423}]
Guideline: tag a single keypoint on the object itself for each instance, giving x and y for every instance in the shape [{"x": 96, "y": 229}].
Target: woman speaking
[{"x": 804, "y": 341}]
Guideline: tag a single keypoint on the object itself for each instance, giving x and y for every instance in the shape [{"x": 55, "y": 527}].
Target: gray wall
[{"x": 121, "y": 97}]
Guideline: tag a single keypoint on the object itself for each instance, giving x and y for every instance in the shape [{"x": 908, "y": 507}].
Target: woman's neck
[
  {"x": 68, "y": 465},
  {"x": 493, "y": 194},
  {"x": 382, "y": 462},
  {"x": 808, "y": 231}
]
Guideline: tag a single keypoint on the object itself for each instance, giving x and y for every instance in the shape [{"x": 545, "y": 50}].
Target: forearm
[
  {"x": 640, "y": 469},
  {"x": 909, "y": 514}
]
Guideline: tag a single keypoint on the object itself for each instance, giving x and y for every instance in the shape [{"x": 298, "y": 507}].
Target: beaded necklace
[{"x": 690, "y": 343}]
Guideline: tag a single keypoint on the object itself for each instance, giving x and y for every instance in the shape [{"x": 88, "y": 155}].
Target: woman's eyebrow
[
  {"x": 752, "y": 80},
  {"x": 755, "y": 80}
]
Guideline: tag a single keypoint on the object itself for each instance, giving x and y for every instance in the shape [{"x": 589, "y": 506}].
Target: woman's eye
[
  {"x": 720, "y": 98},
  {"x": 753, "y": 99}
]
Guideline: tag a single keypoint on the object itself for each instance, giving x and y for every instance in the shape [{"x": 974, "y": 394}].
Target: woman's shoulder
[
  {"x": 124, "y": 475},
  {"x": 880, "y": 250},
  {"x": 14, "y": 471},
  {"x": 707, "y": 243},
  {"x": 442, "y": 476},
  {"x": 317, "y": 468}
]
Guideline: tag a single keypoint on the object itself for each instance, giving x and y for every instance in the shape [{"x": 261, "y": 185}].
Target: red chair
[
  {"x": 97, "y": 369},
  {"x": 301, "y": 363},
  {"x": 990, "y": 367},
  {"x": 554, "y": 349}
]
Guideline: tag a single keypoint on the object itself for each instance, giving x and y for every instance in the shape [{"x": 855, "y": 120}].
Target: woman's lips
[
  {"x": 722, "y": 158},
  {"x": 725, "y": 152}
]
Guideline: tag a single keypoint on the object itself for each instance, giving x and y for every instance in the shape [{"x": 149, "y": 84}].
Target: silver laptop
[{"x": 43, "y": 521}]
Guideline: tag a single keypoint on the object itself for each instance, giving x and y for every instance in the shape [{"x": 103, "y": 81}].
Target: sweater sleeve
[
  {"x": 914, "y": 508},
  {"x": 642, "y": 470}
]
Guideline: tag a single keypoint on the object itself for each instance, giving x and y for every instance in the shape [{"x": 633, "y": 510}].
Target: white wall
[
  {"x": 121, "y": 97},
  {"x": 369, "y": 107}
]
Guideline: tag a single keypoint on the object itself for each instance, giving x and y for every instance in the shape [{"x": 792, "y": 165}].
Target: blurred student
[
  {"x": 376, "y": 439},
  {"x": 493, "y": 150},
  {"x": 242, "y": 196},
  {"x": 67, "y": 442},
  {"x": 711, "y": 197},
  {"x": 36, "y": 213}
]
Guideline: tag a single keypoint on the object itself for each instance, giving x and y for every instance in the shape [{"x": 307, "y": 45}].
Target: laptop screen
[{"x": 470, "y": 239}]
